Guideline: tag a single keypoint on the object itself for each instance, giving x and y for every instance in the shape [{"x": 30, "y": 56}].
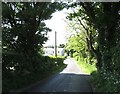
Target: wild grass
[{"x": 86, "y": 67}]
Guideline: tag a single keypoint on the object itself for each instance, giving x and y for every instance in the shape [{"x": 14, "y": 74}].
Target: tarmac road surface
[{"x": 71, "y": 79}]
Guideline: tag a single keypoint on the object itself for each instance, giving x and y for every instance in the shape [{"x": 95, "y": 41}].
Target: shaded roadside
[{"x": 71, "y": 79}]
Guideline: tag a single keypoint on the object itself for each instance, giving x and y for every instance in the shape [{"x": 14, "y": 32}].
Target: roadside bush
[
  {"x": 21, "y": 70},
  {"x": 106, "y": 81},
  {"x": 86, "y": 67},
  {"x": 75, "y": 54}
]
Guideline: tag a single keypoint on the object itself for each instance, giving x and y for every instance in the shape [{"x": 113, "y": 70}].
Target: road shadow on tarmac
[{"x": 63, "y": 82}]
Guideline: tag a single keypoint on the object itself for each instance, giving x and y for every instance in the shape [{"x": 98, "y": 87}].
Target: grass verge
[
  {"x": 86, "y": 67},
  {"x": 89, "y": 69}
]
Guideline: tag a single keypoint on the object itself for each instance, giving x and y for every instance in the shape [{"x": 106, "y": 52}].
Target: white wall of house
[{"x": 51, "y": 51}]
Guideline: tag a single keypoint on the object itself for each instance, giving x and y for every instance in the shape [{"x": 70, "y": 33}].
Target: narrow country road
[{"x": 71, "y": 79}]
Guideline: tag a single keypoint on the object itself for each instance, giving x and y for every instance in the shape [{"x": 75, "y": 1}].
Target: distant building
[{"x": 51, "y": 51}]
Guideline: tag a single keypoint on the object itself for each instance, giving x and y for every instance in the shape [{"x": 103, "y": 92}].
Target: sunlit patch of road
[{"x": 72, "y": 67}]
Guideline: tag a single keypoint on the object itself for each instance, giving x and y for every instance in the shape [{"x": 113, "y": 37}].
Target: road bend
[{"x": 71, "y": 79}]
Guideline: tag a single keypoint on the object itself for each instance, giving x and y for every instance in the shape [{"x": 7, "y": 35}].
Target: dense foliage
[
  {"x": 101, "y": 22},
  {"x": 23, "y": 34},
  {"x": 44, "y": 66}
]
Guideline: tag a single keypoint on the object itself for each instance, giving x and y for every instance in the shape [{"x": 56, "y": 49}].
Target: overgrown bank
[
  {"x": 101, "y": 81},
  {"x": 86, "y": 67},
  {"x": 23, "y": 34},
  {"x": 25, "y": 75},
  {"x": 96, "y": 37}
]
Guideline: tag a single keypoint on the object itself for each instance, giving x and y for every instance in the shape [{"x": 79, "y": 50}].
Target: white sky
[{"x": 57, "y": 23}]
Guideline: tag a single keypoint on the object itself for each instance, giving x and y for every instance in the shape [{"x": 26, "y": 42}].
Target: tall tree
[
  {"x": 24, "y": 31},
  {"x": 104, "y": 18},
  {"x": 23, "y": 26}
]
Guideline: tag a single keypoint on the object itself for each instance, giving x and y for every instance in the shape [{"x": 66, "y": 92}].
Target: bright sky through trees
[{"x": 57, "y": 23}]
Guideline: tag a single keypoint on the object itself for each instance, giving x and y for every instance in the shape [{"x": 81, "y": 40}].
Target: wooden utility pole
[{"x": 55, "y": 44}]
